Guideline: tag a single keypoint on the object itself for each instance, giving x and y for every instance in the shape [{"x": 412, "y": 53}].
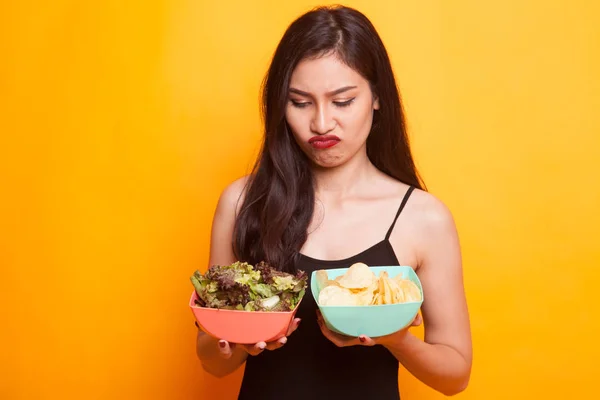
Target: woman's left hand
[{"x": 363, "y": 340}]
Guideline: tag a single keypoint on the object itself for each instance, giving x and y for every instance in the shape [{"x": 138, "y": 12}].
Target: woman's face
[{"x": 330, "y": 110}]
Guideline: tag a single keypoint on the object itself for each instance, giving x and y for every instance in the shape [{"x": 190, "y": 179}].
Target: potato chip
[
  {"x": 358, "y": 276},
  {"x": 322, "y": 279},
  {"x": 381, "y": 289},
  {"x": 397, "y": 293},
  {"x": 410, "y": 289},
  {"x": 376, "y": 300},
  {"x": 334, "y": 295},
  {"x": 359, "y": 286},
  {"x": 366, "y": 295},
  {"x": 389, "y": 293}
]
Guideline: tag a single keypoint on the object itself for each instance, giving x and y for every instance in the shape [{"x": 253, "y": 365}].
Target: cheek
[
  {"x": 297, "y": 124},
  {"x": 357, "y": 124}
]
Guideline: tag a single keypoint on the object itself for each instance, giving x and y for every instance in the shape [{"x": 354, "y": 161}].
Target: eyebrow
[{"x": 332, "y": 93}]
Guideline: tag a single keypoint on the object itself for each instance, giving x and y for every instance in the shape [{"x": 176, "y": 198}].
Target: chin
[{"x": 329, "y": 163}]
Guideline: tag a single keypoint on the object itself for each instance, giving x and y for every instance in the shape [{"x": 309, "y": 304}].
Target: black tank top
[{"x": 309, "y": 366}]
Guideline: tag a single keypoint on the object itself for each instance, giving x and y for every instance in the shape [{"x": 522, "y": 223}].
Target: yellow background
[{"x": 121, "y": 122}]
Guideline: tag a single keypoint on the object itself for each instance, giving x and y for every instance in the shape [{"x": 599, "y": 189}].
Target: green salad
[{"x": 241, "y": 286}]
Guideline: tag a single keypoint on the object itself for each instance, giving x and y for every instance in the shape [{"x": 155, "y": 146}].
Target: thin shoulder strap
[{"x": 404, "y": 200}]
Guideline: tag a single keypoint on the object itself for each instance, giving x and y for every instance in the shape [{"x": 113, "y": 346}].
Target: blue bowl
[{"x": 374, "y": 320}]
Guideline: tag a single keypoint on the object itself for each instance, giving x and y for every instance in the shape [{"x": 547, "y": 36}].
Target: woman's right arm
[{"x": 219, "y": 358}]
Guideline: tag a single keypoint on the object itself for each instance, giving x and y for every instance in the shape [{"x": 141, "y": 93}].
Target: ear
[{"x": 376, "y": 103}]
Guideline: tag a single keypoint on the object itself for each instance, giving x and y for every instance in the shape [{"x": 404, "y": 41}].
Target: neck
[{"x": 344, "y": 180}]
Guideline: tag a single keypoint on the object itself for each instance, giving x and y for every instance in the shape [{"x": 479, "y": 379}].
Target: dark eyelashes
[
  {"x": 337, "y": 103},
  {"x": 343, "y": 103}
]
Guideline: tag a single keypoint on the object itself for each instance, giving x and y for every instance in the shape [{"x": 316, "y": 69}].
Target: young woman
[{"x": 335, "y": 184}]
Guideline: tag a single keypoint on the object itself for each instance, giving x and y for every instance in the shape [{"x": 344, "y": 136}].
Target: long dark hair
[{"x": 279, "y": 197}]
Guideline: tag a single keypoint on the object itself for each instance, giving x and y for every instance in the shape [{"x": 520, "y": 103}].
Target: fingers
[
  {"x": 225, "y": 349},
  {"x": 328, "y": 334},
  {"x": 277, "y": 344},
  {"x": 335, "y": 338},
  {"x": 261, "y": 346},
  {"x": 341, "y": 340},
  {"x": 281, "y": 341},
  {"x": 417, "y": 321},
  {"x": 366, "y": 341},
  {"x": 255, "y": 349},
  {"x": 293, "y": 326}
]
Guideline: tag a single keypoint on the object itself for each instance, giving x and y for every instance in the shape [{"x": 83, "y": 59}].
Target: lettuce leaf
[{"x": 240, "y": 286}]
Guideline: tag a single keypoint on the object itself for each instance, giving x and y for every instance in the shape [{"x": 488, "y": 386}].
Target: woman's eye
[
  {"x": 343, "y": 103},
  {"x": 299, "y": 104},
  {"x": 303, "y": 104}
]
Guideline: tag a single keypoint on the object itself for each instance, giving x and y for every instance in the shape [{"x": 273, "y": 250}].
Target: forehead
[{"x": 324, "y": 74}]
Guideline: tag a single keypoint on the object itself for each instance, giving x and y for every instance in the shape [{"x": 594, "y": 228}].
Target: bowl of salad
[{"x": 244, "y": 303}]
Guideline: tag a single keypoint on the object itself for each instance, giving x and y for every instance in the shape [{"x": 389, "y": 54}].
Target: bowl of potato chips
[{"x": 361, "y": 300}]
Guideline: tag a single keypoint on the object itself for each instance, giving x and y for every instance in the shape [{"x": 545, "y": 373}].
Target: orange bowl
[{"x": 243, "y": 327}]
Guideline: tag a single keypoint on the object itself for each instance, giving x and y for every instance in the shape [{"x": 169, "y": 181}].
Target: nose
[{"x": 322, "y": 121}]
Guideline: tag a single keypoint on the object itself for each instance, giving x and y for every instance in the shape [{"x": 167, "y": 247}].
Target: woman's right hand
[{"x": 226, "y": 349}]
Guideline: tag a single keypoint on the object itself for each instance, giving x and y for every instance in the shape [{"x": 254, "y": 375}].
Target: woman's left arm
[{"x": 443, "y": 360}]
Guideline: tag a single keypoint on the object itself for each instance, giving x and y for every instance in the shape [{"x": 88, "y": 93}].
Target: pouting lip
[{"x": 323, "y": 138}]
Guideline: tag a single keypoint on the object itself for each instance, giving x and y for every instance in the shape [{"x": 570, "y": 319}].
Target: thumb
[
  {"x": 417, "y": 321},
  {"x": 225, "y": 349},
  {"x": 293, "y": 326},
  {"x": 366, "y": 341}
]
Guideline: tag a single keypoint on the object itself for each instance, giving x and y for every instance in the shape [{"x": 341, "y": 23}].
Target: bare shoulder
[
  {"x": 429, "y": 213},
  {"x": 431, "y": 228},
  {"x": 221, "y": 243},
  {"x": 232, "y": 196},
  {"x": 423, "y": 212}
]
